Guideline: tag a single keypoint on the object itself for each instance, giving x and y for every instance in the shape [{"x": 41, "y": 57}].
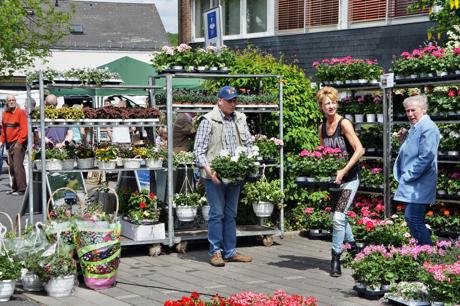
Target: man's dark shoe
[
  {"x": 216, "y": 260},
  {"x": 239, "y": 258}
]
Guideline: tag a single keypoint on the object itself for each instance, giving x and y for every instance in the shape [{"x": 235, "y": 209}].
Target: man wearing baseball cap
[{"x": 223, "y": 128}]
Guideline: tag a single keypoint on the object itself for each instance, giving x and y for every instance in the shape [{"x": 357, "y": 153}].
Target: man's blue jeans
[
  {"x": 223, "y": 200},
  {"x": 341, "y": 228},
  {"x": 415, "y": 218}
]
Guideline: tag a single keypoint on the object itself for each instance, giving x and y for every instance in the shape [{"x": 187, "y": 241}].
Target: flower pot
[
  {"x": 205, "y": 212},
  {"x": 457, "y": 71},
  {"x": 50, "y": 164},
  {"x": 107, "y": 165},
  {"x": 360, "y": 285},
  {"x": 398, "y": 77},
  {"x": 348, "y": 81},
  {"x": 178, "y": 67},
  {"x": 223, "y": 69},
  {"x": 154, "y": 163},
  {"x": 441, "y": 192},
  {"x": 68, "y": 164},
  {"x": 374, "y": 82},
  {"x": 314, "y": 231},
  {"x": 370, "y": 150},
  {"x": 60, "y": 286},
  {"x": 452, "y": 153},
  {"x": 362, "y": 81},
  {"x": 227, "y": 181},
  {"x": 339, "y": 82},
  {"x": 119, "y": 162},
  {"x": 349, "y": 117},
  {"x": 370, "y": 117},
  {"x": 186, "y": 213},
  {"x": 360, "y": 245},
  {"x": 132, "y": 163},
  {"x": 85, "y": 163},
  {"x": 6, "y": 289},
  {"x": 323, "y": 179},
  {"x": 380, "y": 118},
  {"x": 373, "y": 288},
  {"x": 214, "y": 69},
  {"x": 263, "y": 209},
  {"x": 359, "y": 118},
  {"x": 414, "y": 76},
  {"x": 385, "y": 287},
  {"x": 441, "y": 73},
  {"x": 100, "y": 283},
  {"x": 437, "y": 303},
  {"x": 31, "y": 282},
  {"x": 201, "y": 68},
  {"x": 142, "y": 232},
  {"x": 354, "y": 82},
  {"x": 423, "y": 74},
  {"x": 324, "y": 231}
]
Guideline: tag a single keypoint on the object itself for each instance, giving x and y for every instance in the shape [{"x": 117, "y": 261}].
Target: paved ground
[{"x": 295, "y": 264}]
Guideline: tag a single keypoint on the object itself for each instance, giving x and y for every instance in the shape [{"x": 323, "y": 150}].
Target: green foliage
[
  {"x": 9, "y": 268},
  {"x": 301, "y": 112},
  {"x": 173, "y": 38},
  {"x": 142, "y": 206},
  {"x": 262, "y": 191},
  {"x": 106, "y": 153},
  {"x": 445, "y": 15},
  {"x": 25, "y": 36},
  {"x": 193, "y": 199},
  {"x": 58, "y": 264}
]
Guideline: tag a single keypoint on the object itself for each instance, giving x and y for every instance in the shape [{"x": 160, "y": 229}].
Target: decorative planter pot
[
  {"x": 323, "y": 179},
  {"x": 177, "y": 67},
  {"x": 374, "y": 82},
  {"x": 205, "y": 212},
  {"x": 85, "y": 163},
  {"x": 6, "y": 289},
  {"x": 223, "y": 69},
  {"x": 452, "y": 153},
  {"x": 360, "y": 245},
  {"x": 31, "y": 282},
  {"x": 186, "y": 213},
  {"x": 349, "y": 117},
  {"x": 132, "y": 163},
  {"x": 414, "y": 76},
  {"x": 354, "y": 82},
  {"x": 214, "y": 69},
  {"x": 339, "y": 82},
  {"x": 370, "y": 117},
  {"x": 148, "y": 230},
  {"x": 360, "y": 285},
  {"x": 348, "y": 81},
  {"x": 380, "y": 118},
  {"x": 119, "y": 162},
  {"x": 441, "y": 73},
  {"x": 437, "y": 303},
  {"x": 153, "y": 163},
  {"x": 362, "y": 81},
  {"x": 107, "y": 165},
  {"x": 441, "y": 192},
  {"x": 263, "y": 209},
  {"x": 370, "y": 150},
  {"x": 398, "y": 77},
  {"x": 359, "y": 118},
  {"x": 227, "y": 181},
  {"x": 457, "y": 71},
  {"x": 373, "y": 288},
  {"x": 423, "y": 74},
  {"x": 314, "y": 231},
  {"x": 50, "y": 164},
  {"x": 324, "y": 231},
  {"x": 60, "y": 286},
  {"x": 430, "y": 74},
  {"x": 201, "y": 68},
  {"x": 68, "y": 164},
  {"x": 384, "y": 287}
]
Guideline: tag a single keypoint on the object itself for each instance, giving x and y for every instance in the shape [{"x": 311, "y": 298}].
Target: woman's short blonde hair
[{"x": 327, "y": 92}]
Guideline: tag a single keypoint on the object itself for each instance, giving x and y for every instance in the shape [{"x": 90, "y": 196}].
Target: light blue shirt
[{"x": 416, "y": 167}]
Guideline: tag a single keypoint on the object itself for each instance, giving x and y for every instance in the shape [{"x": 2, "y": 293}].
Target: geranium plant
[
  {"x": 141, "y": 207},
  {"x": 318, "y": 218},
  {"x": 322, "y": 163},
  {"x": 269, "y": 148}
]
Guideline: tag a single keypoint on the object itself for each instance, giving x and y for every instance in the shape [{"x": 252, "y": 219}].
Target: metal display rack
[
  {"x": 42, "y": 123},
  {"x": 182, "y": 236}
]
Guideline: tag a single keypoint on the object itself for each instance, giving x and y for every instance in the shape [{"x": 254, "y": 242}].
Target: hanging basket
[
  {"x": 7, "y": 289},
  {"x": 263, "y": 209},
  {"x": 205, "y": 212},
  {"x": 31, "y": 282},
  {"x": 186, "y": 213}
]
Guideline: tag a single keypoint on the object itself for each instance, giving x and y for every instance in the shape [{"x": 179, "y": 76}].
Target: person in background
[
  {"x": 337, "y": 132},
  {"x": 183, "y": 132},
  {"x": 121, "y": 134},
  {"x": 14, "y": 137},
  {"x": 161, "y": 141},
  {"x": 416, "y": 167},
  {"x": 223, "y": 128},
  {"x": 56, "y": 136}
]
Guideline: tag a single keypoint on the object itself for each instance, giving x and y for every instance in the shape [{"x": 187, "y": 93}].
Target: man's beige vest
[{"x": 217, "y": 141}]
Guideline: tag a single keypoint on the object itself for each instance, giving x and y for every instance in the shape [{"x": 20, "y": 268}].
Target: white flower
[
  {"x": 224, "y": 153},
  {"x": 395, "y": 216},
  {"x": 234, "y": 158},
  {"x": 406, "y": 235},
  {"x": 240, "y": 150}
]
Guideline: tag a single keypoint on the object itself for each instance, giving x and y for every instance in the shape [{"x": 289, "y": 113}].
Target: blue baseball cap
[{"x": 227, "y": 93}]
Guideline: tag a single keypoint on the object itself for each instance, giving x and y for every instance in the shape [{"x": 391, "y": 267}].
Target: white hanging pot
[
  {"x": 68, "y": 164},
  {"x": 263, "y": 209},
  {"x": 186, "y": 213},
  {"x": 349, "y": 117},
  {"x": 205, "y": 212},
  {"x": 359, "y": 118},
  {"x": 380, "y": 118},
  {"x": 6, "y": 289},
  {"x": 31, "y": 282},
  {"x": 60, "y": 286}
]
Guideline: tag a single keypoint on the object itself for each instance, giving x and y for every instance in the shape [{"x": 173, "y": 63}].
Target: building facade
[{"x": 309, "y": 30}]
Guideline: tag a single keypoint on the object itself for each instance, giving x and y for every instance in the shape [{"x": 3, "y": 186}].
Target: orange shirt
[{"x": 14, "y": 126}]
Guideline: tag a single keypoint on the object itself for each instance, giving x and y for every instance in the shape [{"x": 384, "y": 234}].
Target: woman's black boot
[{"x": 336, "y": 271}]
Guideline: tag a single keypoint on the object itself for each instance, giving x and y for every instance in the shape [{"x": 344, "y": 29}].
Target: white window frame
[{"x": 243, "y": 23}]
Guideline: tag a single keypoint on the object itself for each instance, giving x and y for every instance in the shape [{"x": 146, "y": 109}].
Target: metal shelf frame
[{"x": 174, "y": 235}]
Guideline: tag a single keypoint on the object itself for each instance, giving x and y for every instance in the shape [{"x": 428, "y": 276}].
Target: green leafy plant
[
  {"x": 183, "y": 158},
  {"x": 262, "y": 191},
  {"x": 84, "y": 151},
  {"x": 106, "y": 153},
  {"x": 9, "y": 268},
  {"x": 316, "y": 218},
  {"x": 59, "y": 263},
  {"x": 193, "y": 199}
]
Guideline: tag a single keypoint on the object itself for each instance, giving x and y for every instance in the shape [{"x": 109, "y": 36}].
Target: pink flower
[
  {"x": 406, "y": 54},
  {"x": 328, "y": 209},
  {"x": 351, "y": 214},
  {"x": 309, "y": 210},
  {"x": 451, "y": 93},
  {"x": 316, "y": 64}
]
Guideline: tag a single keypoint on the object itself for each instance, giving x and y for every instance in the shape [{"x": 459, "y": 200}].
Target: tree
[{"x": 28, "y": 29}]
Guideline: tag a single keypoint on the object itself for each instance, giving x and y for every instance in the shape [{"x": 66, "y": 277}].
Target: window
[
  {"x": 291, "y": 14},
  {"x": 256, "y": 14},
  {"x": 322, "y": 12},
  {"x": 200, "y": 7},
  {"x": 231, "y": 16},
  {"x": 398, "y": 8},
  {"x": 366, "y": 10}
]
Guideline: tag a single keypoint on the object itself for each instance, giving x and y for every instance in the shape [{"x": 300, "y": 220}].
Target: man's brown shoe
[
  {"x": 216, "y": 260},
  {"x": 239, "y": 258}
]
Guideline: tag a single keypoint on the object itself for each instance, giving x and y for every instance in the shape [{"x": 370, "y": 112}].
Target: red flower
[
  {"x": 369, "y": 225},
  {"x": 451, "y": 93},
  {"x": 152, "y": 195},
  {"x": 328, "y": 209},
  {"x": 195, "y": 295},
  {"x": 399, "y": 207},
  {"x": 142, "y": 205},
  {"x": 360, "y": 222}
]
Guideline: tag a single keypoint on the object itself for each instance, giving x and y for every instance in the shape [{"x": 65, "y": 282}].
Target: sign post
[{"x": 213, "y": 27}]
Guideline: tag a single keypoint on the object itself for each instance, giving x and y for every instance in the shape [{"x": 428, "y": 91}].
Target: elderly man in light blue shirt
[{"x": 416, "y": 167}]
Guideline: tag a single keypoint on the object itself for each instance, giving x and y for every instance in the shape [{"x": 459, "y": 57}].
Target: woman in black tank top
[{"x": 337, "y": 132}]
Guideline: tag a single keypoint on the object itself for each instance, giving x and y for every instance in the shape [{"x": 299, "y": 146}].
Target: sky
[{"x": 166, "y": 8}]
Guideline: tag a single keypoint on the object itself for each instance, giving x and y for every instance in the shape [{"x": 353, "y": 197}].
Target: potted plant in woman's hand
[
  {"x": 186, "y": 205},
  {"x": 262, "y": 195}
]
